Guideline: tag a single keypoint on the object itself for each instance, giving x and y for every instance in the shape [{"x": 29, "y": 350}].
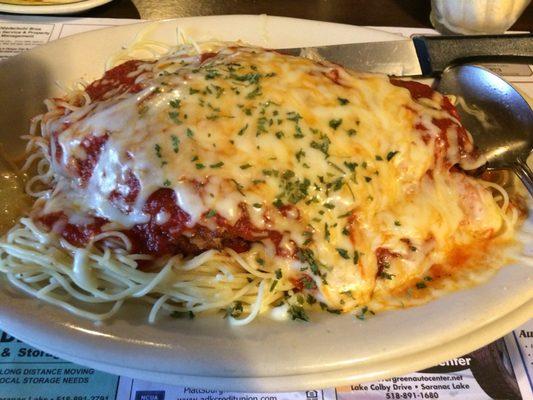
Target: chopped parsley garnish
[
  {"x": 212, "y": 74},
  {"x": 397, "y": 223},
  {"x": 384, "y": 266},
  {"x": 325, "y": 307},
  {"x": 278, "y": 273},
  {"x": 273, "y": 285},
  {"x": 322, "y": 144},
  {"x": 245, "y": 166},
  {"x": 174, "y": 116},
  {"x": 277, "y": 203},
  {"x": 297, "y": 312},
  {"x": 215, "y": 109},
  {"x": 329, "y": 206},
  {"x": 175, "y": 103},
  {"x": 307, "y": 256},
  {"x": 391, "y": 154},
  {"x": 261, "y": 126},
  {"x": 260, "y": 261},
  {"x": 350, "y": 165},
  {"x": 336, "y": 167},
  {"x": 288, "y": 174},
  {"x": 143, "y": 110},
  {"x": 193, "y": 91},
  {"x": 379, "y": 158},
  {"x": 252, "y": 78},
  {"x": 218, "y": 91},
  {"x": 211, "y": 213},
  {"x": 421, "y": 285},
  {"x": 217, "y": 165},
  {"x": 242, "y": 130},
  {"x": 343, "y": 101},
  {"x": 386, "y": 275},
  {"x": 200, "y": 166},
  {"x": 182, "y": 314},
  {"x": 343, "y": 253},
  {"x": 294, "y": 116},
  {"x": 300, "y": 154},
  {"x": 335, "y": 123},
  {"x": 337, "y": 185},
  {"x": 347, "y": 214},
  {"x": 189, "y": 133},
  {"x": 355, "y": 257},
  {"x": 166, "y": 183},
  {"x": 309, "y": 236},
  {"x": 254, "y": 93},
  {"x": 326, "y": 232},
  {"x": 157, "y": 149},
  {"x": 257, "y": 205},
  {"x": 238, "y": 186},
  {"x": 351, "y": 132},
  {"x": 299, "y": 134},
  {"x": 292, "y": 189},
  {"x": 348, "y": 293},
  {"x": 175, "y": 143},
  {"x": 235, "y": 310},
  {"x": 368, "y": 179},
  {"x": 279, "y": 134},
  {"x": 362, "y": 314}
]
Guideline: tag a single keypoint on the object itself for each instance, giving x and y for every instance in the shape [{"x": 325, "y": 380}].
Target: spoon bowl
[{"x": 498, "y": 117}]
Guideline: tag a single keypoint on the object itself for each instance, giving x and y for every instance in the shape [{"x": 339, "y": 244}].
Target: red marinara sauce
[
  {"x": 93, "y": 147},
  {"x": 121, "y": 77},
  {"x": 76, "y": 234},
  {"x": 420, "y": 90}
]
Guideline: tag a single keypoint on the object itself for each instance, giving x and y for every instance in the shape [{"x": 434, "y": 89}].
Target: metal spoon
[{"x": 498, "y": 117}]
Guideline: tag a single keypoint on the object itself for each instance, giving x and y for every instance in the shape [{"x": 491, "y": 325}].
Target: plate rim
[
  {"x": 45, "y": 9},
  {"x": 425, "y": 358}
]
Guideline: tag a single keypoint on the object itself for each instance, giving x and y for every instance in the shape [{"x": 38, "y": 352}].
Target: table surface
[{"x": 410, "y": 13}]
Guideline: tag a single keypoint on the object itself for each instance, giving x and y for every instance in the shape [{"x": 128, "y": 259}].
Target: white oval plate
[
  {"x": 69, "y": 8},
  {"x": 265, "y": 355}
]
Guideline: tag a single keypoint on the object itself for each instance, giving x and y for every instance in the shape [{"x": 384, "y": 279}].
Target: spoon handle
[{"x": 524, "y": 173}]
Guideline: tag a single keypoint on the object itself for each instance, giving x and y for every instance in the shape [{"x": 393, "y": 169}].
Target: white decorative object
[{"x": 475, "y": 17}]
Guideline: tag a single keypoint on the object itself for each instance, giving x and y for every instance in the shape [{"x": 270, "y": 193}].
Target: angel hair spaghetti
[{"x": 241, "y": 180}]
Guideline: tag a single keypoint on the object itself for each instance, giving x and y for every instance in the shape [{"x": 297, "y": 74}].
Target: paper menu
[
  {"x": 501, "y": 370},
  {"x": 18, "y": 33}
]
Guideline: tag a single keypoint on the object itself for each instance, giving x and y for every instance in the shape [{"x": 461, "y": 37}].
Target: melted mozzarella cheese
[{"x": 335, "y": 161}]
